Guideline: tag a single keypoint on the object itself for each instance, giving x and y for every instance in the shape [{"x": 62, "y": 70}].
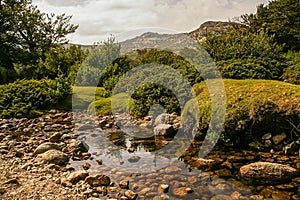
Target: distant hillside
[
  {"x": 213, "y": 27},
  {"x": 154, "y": 40}
]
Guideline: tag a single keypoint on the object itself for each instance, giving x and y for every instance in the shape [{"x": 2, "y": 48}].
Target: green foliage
[
  {"x": 7, "y": 75},
  {"x": 23, "y": 97},
  {"x": 255, "y": 68},
  {"x": 59, "y": 61},
  {"x": 26, "y": 33},
  {"x": 281, "y": 19},
  {"x": 149, "y": 95},
  {"x": 100, "y": 57},
  {"x": 241, "y": 44},
  {"x": 292, "y": 72}
]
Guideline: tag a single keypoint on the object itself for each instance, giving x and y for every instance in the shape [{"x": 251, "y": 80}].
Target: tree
[
  {"x": 280, "y": 18},
  {"x": 26, "y": 33}
]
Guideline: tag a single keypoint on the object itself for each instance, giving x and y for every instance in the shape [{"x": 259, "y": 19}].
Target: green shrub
[
  {"x": 292, "y": 72},
  {"x": 23, "y": 97},
  {"x": 251, "y": 69}
]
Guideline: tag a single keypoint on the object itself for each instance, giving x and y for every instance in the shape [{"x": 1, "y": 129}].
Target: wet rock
[
  {"x": 164, "y": 188},
  {"x": 280, "y": 195},
  {"x": 223, "y": 173},
  {"x": 163, "y": 130},
  {"x": 130, "y": 195},
  {"x": 124, "y": 184},
  {"x": 235, "y": 195},
  {"x": 172, "y": 169},
  {"x": 99, "y": 161},
  {"x": 53, "y": 156},
  {"x": 266, "y": 173},
  {"x": 203, "y": 163},
  {"x": 134, "y": 159},
  {"x": 86, "y": 166},
  {"x": 98, "y": 180},
  {"x": 77, "y": 145},
  {"x": 221, "y": 197},
  {"x": 135, "y": 186},
  {"x": 77, "y": 176},
  {"x": 182, "y": 192},
  {"x": 277, "y": 139},
  {"x": 267, "y": 136},
  {"x": 45, "y": 147}
]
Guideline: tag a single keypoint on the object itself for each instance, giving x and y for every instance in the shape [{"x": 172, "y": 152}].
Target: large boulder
[
  {"x": 262, "y": 173},
  {"x": 165, "y": 130},
  {"x": 53, "y": 156}
]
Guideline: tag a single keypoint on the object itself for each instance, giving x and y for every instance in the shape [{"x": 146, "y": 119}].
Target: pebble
[{"x": 98, "y": 180}]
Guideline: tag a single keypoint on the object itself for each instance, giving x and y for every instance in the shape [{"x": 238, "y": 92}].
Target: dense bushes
[
  {"x": 22, "y": 98},
  {"x": 292, "y": 72},
  {"x": 255, "y": 68}
]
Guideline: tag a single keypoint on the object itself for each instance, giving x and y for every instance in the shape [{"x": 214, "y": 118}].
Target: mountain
[
  {"x": 212, "y": 27},
  {"x": 173, "y": 41}
]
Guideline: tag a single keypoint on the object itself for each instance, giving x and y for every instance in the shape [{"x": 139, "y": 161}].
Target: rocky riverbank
[{"x": 45, "y": 158}]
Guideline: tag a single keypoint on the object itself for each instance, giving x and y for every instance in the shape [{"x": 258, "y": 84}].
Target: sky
[{"x": 98, "y": 19}]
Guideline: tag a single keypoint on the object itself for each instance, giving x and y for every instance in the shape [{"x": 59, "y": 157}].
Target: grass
[
  {"x": 254, "y": 107},
  {"x": 81, "y": 98},
  {"x": 103, "y": 107}
]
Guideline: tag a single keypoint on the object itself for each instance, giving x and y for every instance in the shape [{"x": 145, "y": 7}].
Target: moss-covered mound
[{"x": 254, "y": 107}]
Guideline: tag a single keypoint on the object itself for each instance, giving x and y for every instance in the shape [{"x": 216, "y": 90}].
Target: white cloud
[{"x": 98, "y": 19}]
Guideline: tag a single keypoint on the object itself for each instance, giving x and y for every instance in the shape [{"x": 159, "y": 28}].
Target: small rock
[
  {"x": 2, "y": 190},
  {"x": 164, "y": 188},
  {"x": 55, "y": 137},
  {"x": 221, "y": 197},
  {"x": 130, "y": 195},
  {"x": 135, "y": 187},
  {"x": 86, "y": 166},
  {"x": 280, "y": 195},
  {"x": 223, "y": 173},
  {"x": 181, "y": 192},
  {"x": 99, "y": 161},
  {"x": 267, "y": 136},
  {"x": 134, "y": 159},
  {"x": 66, "y": 183},
  {"x": 277, "y": 139},
  {"x": 98, "y": 180},
  {"x": 172, "y": 169},
  {"x": 77, "y": 176},
  {"x": 54, "y": 157},
  {"x": 124, "y": 184},
  {"x": 12, "y": 181},
  {"x": 267, "y": 173},
  {"x": 235, "y": 195},
  {"x": 45, "y": 147},
  {"x": 163, "y": 118}
]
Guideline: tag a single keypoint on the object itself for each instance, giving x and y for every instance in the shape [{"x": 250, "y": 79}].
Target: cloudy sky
[{"x": 97, "y": 19}]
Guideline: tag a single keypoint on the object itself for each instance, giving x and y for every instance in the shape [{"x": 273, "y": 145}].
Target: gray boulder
[
  {"x": 267, "y": 173},
  {"x": 165, "y": 130}
]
